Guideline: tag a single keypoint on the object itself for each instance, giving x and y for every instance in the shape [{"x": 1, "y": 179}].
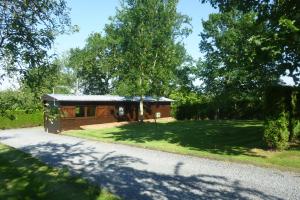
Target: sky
[{"x": 92, "y": 15}]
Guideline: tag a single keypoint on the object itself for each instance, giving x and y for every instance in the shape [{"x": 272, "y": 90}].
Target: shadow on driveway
[{"x": 117, "y": 173}]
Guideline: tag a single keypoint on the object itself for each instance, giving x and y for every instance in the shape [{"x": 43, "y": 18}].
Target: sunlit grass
[{"x": 239, "y": 141}]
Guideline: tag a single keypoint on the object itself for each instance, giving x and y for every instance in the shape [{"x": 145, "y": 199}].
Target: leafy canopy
[
  {"x": 27, "y": 31},
  {"x": 234, "y": 63},
  {"x": 146, "y": 40},
  {"x": 282, "y": 30},
  {"x": 92, "y": 65}
]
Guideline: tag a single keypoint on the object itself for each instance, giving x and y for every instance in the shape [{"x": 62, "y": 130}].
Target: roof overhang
[{"x": 100, "y": 98}]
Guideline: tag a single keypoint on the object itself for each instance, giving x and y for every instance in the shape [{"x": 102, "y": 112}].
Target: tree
[
  {"x": 92, "y": 65},
  {"x": 44, "y": 78},
  {"x": 27, "y": 31},
  {"x": 233, "y": 59},
  {"x": 146, "y": 36},
  {"x": 282, "y": 30},
  {"x": 235, "y": 69}
]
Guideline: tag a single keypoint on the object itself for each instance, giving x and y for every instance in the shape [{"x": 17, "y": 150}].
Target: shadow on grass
[
  {"x": 23, "y": 177},
  {"x": 219, "y": 137},
  {"x": 124, "y": 175}
]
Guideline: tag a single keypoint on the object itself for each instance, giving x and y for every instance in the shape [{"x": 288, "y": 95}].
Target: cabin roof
[{"x": 95, "y": 98}]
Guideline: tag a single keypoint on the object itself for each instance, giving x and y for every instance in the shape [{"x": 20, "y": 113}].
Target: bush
[
  {"x": 276, "y": 133},
  {"x": 283, "y": 99},
  {"x": 296, "y": 129},
  {"x": 190, "y": 105}
]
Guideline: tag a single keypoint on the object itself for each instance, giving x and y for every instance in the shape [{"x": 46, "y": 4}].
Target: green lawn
[
  {"x": 24, "y": 177},
  {"x": 239, "y": 141},
  {"x": 22, "y": 120}
]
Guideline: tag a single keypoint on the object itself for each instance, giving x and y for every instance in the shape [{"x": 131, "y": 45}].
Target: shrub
[
  {"x": 284, "y": 99},
  {"x": 276, "y": 133},
  {"x": 296, "y": 129}
]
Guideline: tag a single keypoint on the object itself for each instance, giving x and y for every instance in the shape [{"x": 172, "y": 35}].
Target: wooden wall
[{"x": 108, "y": 112}]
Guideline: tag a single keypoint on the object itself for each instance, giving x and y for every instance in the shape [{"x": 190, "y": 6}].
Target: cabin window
[
  {"x": 90, "y": 111},
  {"x": 121, "y": 111},
  {"x": 67, "y": 112},
  {"x": 79, "y": 112}
]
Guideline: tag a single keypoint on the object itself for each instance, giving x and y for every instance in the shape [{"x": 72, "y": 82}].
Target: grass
[
  {"x": 24, "y": 177},
  {"x": 239, "y": 141},
  {"x": 22, "y": 120}
]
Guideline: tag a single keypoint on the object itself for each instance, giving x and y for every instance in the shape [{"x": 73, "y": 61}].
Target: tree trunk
[{"x": 141, "y": 110}]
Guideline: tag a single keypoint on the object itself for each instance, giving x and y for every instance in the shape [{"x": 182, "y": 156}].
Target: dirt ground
[{"x": 116, "y": 124}]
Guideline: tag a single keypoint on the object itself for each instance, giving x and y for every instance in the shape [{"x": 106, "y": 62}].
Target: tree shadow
[
  {"x": 126, "y": 176},
  {"x": 219, "y": 137}
]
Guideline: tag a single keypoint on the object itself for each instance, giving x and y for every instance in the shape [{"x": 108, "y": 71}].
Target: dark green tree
[
  {"x": 46, "y": 78},
  {"x": 281, "y": 37},
  {"x": 235, "y": 69},
  {"x": 232, "y": 58},
  {"x": 92, "y": 65}
]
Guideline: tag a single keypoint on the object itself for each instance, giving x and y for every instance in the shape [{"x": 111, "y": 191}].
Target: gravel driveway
[{"x": 135, "y": 173}]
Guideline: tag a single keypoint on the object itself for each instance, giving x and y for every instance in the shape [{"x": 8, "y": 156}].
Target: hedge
[
  {"x": 215, "y": 110},
  {"x": 21, "y": 119}
]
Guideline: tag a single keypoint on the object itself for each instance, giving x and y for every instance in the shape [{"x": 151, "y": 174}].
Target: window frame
[{"x": 86, "y": 111}]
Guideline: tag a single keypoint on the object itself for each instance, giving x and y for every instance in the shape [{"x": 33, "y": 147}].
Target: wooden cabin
[{"x": 67, "y": 112}]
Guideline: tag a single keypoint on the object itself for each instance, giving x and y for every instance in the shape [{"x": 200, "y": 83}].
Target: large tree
[
  {"x": 282, "y": 30},
  {"x": 27, "y": 31},
  {"x": 146, "y": 38},
  {"x": 235, "y": 69},
  {"x": 233, "y": 59},
  {"x": 92, "y": 65}
]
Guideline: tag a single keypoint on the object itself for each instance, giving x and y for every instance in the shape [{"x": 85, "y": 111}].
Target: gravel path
[{"x": 135, "y": 173}]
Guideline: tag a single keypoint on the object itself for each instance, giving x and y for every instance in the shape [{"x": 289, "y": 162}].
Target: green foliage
[
  {"x": 17, "y": 100},
  {"x": 21, "y": 119},
  {"x": 233, "y": 70},
  {"x": 296, "y": 129},
  {"x": 92, "y": 65},
  {"x": 278, "y": 100},
  {"x": 144, "y": 36},
  {"x": 247, "y": 46},
  {"x": 43, "y": 79},
  {"x": 279, "y": 43},
  {"x": 189, "y": 105},
  {"x": 28, "y": 30},
  {"x": 276, "y": 133},
  {"x": 51, "y": 111}
]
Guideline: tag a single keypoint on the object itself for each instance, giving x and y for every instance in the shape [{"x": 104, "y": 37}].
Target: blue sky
[{"x": 92, "y": 15}]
